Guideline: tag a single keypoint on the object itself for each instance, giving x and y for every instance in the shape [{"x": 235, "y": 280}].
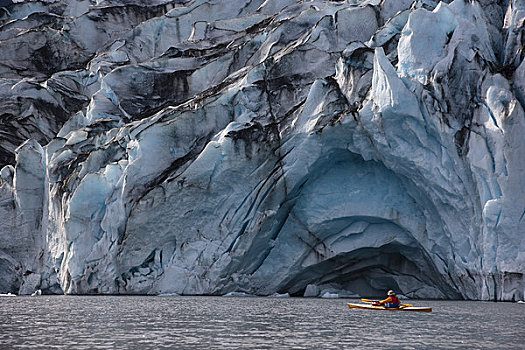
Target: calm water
[{"x": 127, "y": 322}]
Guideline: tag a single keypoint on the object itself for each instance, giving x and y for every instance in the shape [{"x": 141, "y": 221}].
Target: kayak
[{"x": 402, "y": 308}]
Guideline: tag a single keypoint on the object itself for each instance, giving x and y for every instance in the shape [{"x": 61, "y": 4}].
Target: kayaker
[{"x": 391, "y": 302}]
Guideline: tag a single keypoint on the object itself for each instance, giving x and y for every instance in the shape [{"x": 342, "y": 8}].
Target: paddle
[{"x": 368, "y": 301}]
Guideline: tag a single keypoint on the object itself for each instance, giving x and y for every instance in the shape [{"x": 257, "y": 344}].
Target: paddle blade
[{"x": 368, "y": 301}]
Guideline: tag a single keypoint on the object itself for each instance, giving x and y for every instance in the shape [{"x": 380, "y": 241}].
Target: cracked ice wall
[{"x": 205, "y": 147}]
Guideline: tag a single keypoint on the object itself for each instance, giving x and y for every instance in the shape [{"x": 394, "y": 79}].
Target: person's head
[{"x": 391, "y": 292}]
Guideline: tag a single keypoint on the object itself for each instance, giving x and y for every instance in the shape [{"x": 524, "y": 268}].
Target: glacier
[{"x": 263, "y": 147}]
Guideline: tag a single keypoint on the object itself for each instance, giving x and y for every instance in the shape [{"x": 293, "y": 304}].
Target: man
[{"x": 391, "y": 302}]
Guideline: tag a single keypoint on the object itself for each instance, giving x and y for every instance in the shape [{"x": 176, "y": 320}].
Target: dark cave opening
[{"x": 371, "y": 272}]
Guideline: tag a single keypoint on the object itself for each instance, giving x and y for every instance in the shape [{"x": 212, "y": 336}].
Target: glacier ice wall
[{"x": 207, "y": 147}]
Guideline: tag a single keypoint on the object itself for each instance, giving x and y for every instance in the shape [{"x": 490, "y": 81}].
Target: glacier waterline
[{"x": 206, "y": 147}]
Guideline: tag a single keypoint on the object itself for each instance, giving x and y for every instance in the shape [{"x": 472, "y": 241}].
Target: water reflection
[{"x": 126, "y": 322}]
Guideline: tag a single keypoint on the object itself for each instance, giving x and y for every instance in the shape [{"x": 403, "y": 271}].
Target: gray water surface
[{"x": 142, "y": 322}]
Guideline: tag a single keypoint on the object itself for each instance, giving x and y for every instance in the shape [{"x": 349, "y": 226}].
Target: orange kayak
[{"x": 401, "y": 308}]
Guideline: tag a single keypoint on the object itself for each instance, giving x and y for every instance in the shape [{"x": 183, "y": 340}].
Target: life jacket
[{"x": 394, "y": 302}]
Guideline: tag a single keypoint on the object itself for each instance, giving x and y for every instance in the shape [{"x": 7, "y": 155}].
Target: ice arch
[{"x": 354, "y": 226}]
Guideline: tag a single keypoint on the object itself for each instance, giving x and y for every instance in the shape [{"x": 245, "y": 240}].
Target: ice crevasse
[{"x": 263, "y": 147}]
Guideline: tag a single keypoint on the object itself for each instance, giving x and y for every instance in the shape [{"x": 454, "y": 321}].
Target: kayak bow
[{"x": 401, "y": 308}]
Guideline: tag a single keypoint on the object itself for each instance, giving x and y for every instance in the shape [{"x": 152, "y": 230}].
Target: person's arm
[{"x": 387, "y": 300}]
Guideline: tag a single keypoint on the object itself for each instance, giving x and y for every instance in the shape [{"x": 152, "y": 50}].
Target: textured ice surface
[{"x": 271, "y": 147}]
